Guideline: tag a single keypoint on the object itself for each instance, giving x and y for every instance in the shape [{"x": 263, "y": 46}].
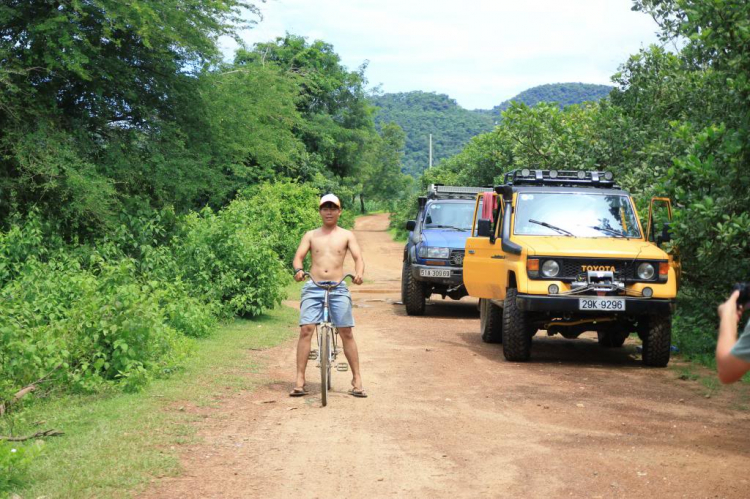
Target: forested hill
[
  {"x": 565, "y": 94},
  {"x": 423, "y": 113}
]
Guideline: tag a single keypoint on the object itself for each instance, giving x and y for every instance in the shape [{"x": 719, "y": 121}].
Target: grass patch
[{"x": 115, "y": 443}]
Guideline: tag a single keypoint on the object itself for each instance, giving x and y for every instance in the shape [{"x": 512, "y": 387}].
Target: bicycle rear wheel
[{"x": 325, "y": 366}]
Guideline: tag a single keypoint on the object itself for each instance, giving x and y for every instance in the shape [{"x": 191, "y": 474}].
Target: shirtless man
[{"x": 327, "y": 246}]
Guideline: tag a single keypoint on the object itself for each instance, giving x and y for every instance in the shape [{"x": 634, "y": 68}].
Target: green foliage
[
  {"x": 85, "y": 326},
  {"x": 122, "y": 311},
  {"x": 382, "y": 179},
  {"x": 405, "y": 210},
  {"x": 92, "y": 96},
  {"x": 563, "y": 94},
  {"x": 337, "y": 125},
  {"x": 15, "y": 459},
  {"x": 283, "y": 212},
  {"x": 227, "y": 261}
]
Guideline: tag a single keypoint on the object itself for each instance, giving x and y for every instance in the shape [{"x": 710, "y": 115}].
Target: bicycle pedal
[
  {"x": 342, "y": 366},
  {"x": 312, "y": 355}
]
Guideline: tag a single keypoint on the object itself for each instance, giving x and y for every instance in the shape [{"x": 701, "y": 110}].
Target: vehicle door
[
  {"x": 658, "y": 231},
  {"x": 484, "y": 269}
]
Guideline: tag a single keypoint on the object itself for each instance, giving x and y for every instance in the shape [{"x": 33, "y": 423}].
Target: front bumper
[
  {"x": 456, "y": 278},
  {"x": 633, "y": 306}
]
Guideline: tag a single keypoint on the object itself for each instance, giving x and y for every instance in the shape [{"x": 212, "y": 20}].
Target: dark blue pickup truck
[{"x": 434, "y": 252}]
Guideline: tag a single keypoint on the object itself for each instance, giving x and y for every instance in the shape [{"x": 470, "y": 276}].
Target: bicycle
[{"x": 327, "y": 336}]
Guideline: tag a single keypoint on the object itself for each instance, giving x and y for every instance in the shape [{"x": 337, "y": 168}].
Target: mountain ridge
[{"x": 422, "y": 113}]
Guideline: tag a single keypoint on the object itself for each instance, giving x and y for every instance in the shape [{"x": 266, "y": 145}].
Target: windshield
[
  {"x": 575, "y": 214},
  {"x": 453, "y": 215}
]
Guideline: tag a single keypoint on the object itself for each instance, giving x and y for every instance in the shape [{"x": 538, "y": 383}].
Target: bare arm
[
  {"x": 730, "y": 368},
  {"x": 299, "y": 256},
  {"x": 359, "y": 261}
]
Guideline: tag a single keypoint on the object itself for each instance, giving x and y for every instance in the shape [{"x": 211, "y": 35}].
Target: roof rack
[
  {"x": 440, "y": 191},
  {"x": 578, "y": 178}
]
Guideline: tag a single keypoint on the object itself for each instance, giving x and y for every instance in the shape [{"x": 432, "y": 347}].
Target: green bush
[
  {"x": 282, "y": 211},
  {"x": 85, "y": 326},
  {"x": 123, "y": 310},
  {"x": 405, "y": 210},
  {"x": 15, "y": 459},
  {"x": 227, "y": 261}
]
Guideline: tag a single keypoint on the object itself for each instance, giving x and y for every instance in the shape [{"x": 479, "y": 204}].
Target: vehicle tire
[
  {"x": 490, "y": 321},
  {"x": 516, "y": 337},
  {"x": 325, "y": 373},
  {"x": 611, "y": 340},
  {"x": 657, "y": 340},
  {"x": 404, "y": 275},
  {"x": 414, "y": 293}
]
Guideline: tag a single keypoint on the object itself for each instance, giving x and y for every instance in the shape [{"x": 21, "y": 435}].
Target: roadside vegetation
[
  {"x": 677, "y": 124},
  {"x": 115, "y": 443}
]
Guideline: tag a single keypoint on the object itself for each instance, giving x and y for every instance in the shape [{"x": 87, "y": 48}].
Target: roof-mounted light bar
[
  {"x": 528, "y": 176},
  {"x": 454, "y": 191}
]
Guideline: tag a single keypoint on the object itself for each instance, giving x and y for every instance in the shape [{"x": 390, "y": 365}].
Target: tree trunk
[{"x": 362, "y": 203}]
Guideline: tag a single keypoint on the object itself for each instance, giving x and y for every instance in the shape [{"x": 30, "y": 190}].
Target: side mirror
[
  {"x": 411, "y": 225},
  {"x": 484, "y": 227},
  {"x": 666, "y": 235}
]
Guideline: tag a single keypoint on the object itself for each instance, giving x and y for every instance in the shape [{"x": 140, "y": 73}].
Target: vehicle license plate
[
  {"x": 434, "y": 272},
  {"x": 602, "y": 303}
]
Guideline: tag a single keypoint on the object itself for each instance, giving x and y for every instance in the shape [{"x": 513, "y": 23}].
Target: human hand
[
  {"x": 357, "y": 279},
  {"x": 299, "y": 276},
  {"x": 729, "y": 309}
]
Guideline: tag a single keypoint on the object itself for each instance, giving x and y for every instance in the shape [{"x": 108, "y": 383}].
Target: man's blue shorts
[{"x": 339, "y": 300}]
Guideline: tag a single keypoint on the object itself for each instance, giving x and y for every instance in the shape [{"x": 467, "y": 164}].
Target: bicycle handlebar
[{"x": 331, "y": 286}]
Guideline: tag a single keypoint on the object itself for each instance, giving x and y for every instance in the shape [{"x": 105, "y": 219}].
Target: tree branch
[
  {"x": 5, "y": 406},
  {"x": 39, "y": 434}
]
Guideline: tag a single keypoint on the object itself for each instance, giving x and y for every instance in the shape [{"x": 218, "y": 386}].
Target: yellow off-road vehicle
[{"x": 564, "y": 252}]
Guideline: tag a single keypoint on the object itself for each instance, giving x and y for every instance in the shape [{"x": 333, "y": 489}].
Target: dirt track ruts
[{"x": 447, "y": 416}]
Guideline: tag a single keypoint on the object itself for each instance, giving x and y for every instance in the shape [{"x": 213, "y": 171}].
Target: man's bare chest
[{"x": 328, "y": 246}]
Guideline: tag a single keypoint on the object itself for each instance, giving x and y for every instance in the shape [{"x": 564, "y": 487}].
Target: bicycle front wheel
[{"x": 325, "y": 373}]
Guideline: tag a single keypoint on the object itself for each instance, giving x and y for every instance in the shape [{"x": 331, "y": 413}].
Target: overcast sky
[{"x": 479, "y": 52}]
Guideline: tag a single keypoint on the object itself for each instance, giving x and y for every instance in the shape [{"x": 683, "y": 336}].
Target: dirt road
[{"x": 447, "y": 416}]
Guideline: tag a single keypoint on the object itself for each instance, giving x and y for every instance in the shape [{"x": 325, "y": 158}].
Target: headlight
[
  {"x": 646, "y": 271},
  {"x": 550, "y": 268},
  {"x": 428, "y": 252}
]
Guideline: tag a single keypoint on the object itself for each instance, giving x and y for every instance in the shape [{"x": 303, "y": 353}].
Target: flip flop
[
  {"x": 298, "y": 392},
  {"x": 359, "y": 393}
]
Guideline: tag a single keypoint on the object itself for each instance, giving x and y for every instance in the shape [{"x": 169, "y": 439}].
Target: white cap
[{"x": 329, "y": 198}]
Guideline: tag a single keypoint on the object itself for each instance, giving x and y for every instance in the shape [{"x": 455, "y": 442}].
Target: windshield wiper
[
  {"x": 614, "y": 232},
  {"x": 553, "y": 227},
  {"x": 431, "y": 226}
]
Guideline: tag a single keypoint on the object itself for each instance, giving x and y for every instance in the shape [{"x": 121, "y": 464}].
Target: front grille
[
  {"x": 457, "y": 258},
  {"x": 574, "y": 269}
]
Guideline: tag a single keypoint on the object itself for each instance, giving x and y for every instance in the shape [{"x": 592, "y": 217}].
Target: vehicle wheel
[
  {"x": 657, "y": 340},
  {"x": 490, "y": 321},
  {"x": 516, "y": 337},
  {"x": 404, "y": 273},
  {"x": 325, "y": 347},
  {"x": 611, "y": 340},
  {"x": 414, "y": 294}
]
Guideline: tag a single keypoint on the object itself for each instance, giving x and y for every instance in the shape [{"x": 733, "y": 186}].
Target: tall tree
[
  {"x": 92, "y": 80},
  {"x": 338, "y": 119},
  {"x": 382, "y": 178}
]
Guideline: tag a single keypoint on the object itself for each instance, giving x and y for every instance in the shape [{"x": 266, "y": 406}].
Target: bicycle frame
[{"x": 327, "y": 338}]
